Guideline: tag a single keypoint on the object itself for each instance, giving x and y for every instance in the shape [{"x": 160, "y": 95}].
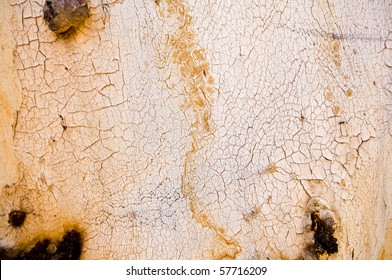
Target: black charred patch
[
  {"x": 323, "y": 235},
  {"x": 16, "y": 218},
  {"x": 69, "y": 248},
  {"x": 63, "y": 16},
  {"x": 50, "y": 14}
]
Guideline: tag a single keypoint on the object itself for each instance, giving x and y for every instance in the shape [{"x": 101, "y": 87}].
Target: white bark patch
[{"x": 173, "y": 129}]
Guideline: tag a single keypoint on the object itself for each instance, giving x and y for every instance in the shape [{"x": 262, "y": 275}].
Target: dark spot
[
  {"x": 66, "y": 68},
  {"x": 16, "y": 218},
  {"x": 323, "y": 235},
  {"x": 62, "y": 123},
  {"x": 50, "y": 14},
  {"x": 69, "y": 248},
  {"x": 63, "y": 16},
  {"x": 7, "y": 253},
  {"x": 66, "y": 34}
]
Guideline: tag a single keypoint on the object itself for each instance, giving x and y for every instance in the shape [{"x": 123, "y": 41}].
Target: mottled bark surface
[{"x": 199, "y": 129}]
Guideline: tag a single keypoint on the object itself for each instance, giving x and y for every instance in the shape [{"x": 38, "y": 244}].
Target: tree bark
[{"x": 198, "y": 130}]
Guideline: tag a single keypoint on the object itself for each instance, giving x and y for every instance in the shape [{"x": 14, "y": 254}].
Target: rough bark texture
[{"x": 198, "y": 130}]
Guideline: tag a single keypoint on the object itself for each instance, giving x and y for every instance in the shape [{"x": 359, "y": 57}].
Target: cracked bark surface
[{"x": 199, "y": 129}]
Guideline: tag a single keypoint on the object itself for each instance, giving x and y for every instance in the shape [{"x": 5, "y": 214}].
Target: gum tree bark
[{"x": 198, "y": 130}]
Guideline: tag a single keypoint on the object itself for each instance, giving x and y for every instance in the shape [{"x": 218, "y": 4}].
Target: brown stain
[
  {"x": 335, "y": 46},
  {"x": 252, "y": 214},
  {"x": 279, "y": 255},
  {"x": 386, "y": 250},
  {"x": 196, "y": 82},
  {"x": 331, "y": 52},
  {"x": 335, "y": 49},
  {"x": 225, "y": 249},
  {"x": 336, "y": 110},
  {"x": 302, "y": 118},
  {"x": 330, "y": 41},
  {"x": 192, "y": 65},
  {"x": 328, "y": 95},
  {"x": 271, "y": 168},
  {"x": 349, "y": 92}
]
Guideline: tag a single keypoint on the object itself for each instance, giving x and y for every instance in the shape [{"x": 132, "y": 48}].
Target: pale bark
[{"x": 199, "y": 129}]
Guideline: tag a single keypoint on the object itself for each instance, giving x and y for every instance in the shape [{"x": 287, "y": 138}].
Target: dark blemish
[
  {"x": 16, "y": 218},
  {"x": 66, "y": 68},
  {"x": 69, "y": 248},
  {"x": 252, "y": 215},
  {"x": 62, "y": 123},
  {"x": 374, "y": 83},
  {"x": 50, "y": 14},
  {"x": 68, "y": 33},
  {"x": 323, "y": 234},
  {"x": 63, "y": 16},
  {"x": 342, "y": 122}
]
